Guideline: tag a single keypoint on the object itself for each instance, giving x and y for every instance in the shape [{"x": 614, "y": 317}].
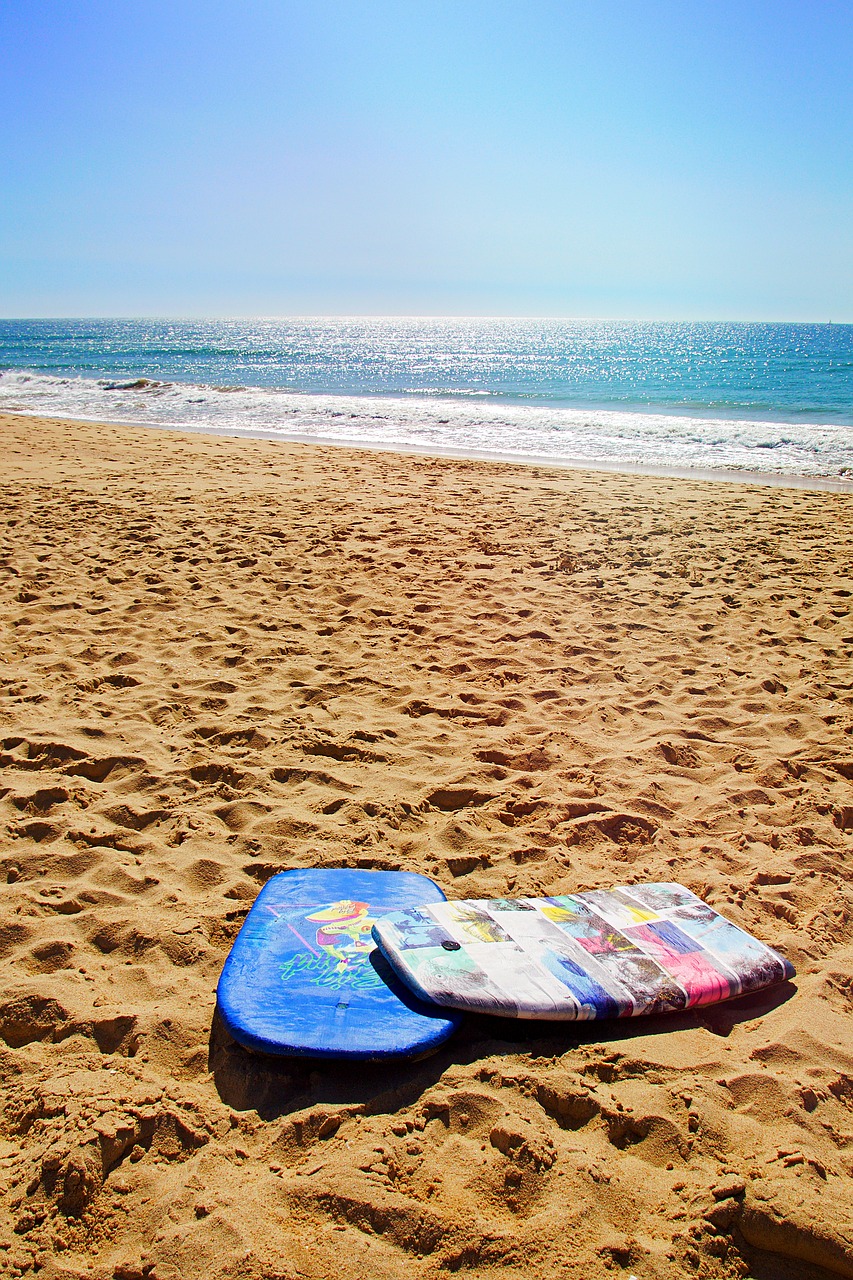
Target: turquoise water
[{"x": 769, "y": 398}]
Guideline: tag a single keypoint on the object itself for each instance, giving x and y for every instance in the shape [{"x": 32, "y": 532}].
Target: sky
[{"x": 667, "y": 159}]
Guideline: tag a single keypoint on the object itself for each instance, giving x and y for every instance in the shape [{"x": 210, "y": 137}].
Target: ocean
[{"x": 774, "y": 401}]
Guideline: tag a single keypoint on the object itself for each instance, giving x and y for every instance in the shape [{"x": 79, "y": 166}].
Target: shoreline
[
  {"x": 226, "y": 658},
  {"x": 817, "y": 484}
]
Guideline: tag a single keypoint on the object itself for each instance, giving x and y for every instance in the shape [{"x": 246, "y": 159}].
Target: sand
[{"x": 225, "y": 658}]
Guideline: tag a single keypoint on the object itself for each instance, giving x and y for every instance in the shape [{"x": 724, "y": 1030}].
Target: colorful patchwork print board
[
  {"x": 304, "y": 975},
  {"x": 610, "y": 953}
]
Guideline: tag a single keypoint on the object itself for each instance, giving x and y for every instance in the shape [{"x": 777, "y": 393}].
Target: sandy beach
[{"x": 224, "y": 658}]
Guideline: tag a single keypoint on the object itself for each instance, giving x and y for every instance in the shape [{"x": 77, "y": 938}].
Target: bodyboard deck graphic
[
  {"x": 606, "y": 953},
  {"x": 304, "y": 975}
]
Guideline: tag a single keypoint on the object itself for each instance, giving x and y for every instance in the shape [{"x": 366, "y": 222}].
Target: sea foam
[{"x": 463, "y": 425}]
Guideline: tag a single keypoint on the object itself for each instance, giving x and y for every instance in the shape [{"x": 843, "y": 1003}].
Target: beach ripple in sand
[{"x": 227, "y": 658}]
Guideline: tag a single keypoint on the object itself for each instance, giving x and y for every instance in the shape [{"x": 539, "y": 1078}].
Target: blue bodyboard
[{"x": 305, "y": 977}]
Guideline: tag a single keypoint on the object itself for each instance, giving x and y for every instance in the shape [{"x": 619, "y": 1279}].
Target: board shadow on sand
[{"x": 276, "y": 1086}]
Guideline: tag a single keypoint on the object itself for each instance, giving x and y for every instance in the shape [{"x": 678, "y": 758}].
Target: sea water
[{"x": 774, "y": 400}]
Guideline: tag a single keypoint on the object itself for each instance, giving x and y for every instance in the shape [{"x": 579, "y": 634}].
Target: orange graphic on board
[{"x": 344, "y": 931}]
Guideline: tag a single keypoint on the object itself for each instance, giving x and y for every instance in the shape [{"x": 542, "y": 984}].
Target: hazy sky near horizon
[{"x": 648, "y": 158}]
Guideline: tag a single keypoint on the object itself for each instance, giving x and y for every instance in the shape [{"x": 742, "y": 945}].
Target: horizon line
[{"x": 411, "y": 315}]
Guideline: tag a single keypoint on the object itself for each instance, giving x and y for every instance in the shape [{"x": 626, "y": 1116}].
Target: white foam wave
[{"x": 599, "y": 437}]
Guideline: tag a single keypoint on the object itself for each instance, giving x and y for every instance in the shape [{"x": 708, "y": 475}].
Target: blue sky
[{"x": 686, "y": 159}]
